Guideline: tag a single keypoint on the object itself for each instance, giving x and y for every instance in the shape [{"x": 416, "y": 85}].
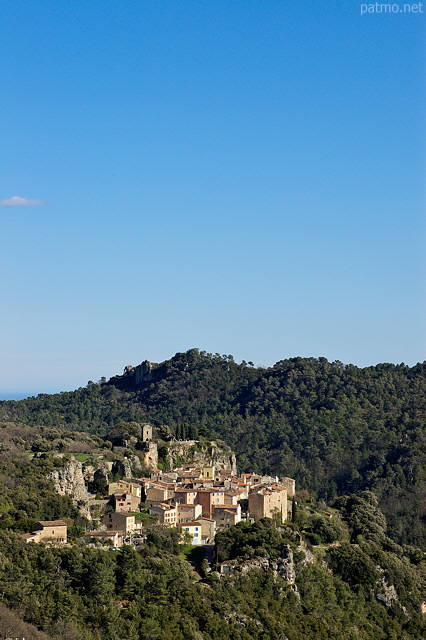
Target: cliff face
[
  {"x": 69, "y": 481},
  {"x": 283, "y": 566},
  {"x": 201, "y": 454},
  {"x": 93, "y": 474},
  {"x": 135, "y": 377},
  {"x": 149, "y": 453}
]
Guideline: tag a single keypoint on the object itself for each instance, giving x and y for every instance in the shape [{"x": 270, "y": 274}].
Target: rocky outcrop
[
  {"x": 124, "y": 441},
  {"x": 129, "y": 467},
  {"x": 92, "y": 474},
  {"x": 283, "y": 566},
  {"x": 134, "y": 378},
  {"x": 143, "y": 373},
  {"x": 128, "y": 369},
  {"x": 135, "y": 464},
  {"x": 202, "y": 454},
  {"x": 69, "y": 481},
  {"x": 309, "y": 557},
  {"x": 386, "y": 593},
  {"x": 239, "y": 618},
  {"x": 149, "y": 454},
  {"x": 100, "y": 477},
  {"x": 122, "y": 468},
  {"x": 97, "y": 477}
]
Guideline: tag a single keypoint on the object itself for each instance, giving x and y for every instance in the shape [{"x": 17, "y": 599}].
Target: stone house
[
  {"x": 49, "y": 531},
  {"x": 267, "y": 502},
  {"x": 208, "y": 473},
  {"x": 159, "y": 491},
  {"x": 194, "y": 529},
  {"x": 226, "y": 516},
  {"x": 126, "y": 502},
  {"x": 114, "y": 538},
  {"x": 185, "y": 496},
  {"x": 188, "y": 512},
  {"x": 167, "y": 514},
  {"x": 123, "y": 522},
  {"x": 290, "y": 485},
  {"x": 231, "y": 497},
  {"x": 131, "y": 488},
  {"x": 207, "y": 498},
  {"x": 164, "y": 476},
  {"x": 188, "y": 476}
]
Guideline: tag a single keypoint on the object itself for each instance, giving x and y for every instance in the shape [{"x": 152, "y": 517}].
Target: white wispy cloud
[{"x": 17, "y": 201}]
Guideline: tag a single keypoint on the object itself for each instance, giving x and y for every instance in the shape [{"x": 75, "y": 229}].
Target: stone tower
[{"x": 146, "y": 432}]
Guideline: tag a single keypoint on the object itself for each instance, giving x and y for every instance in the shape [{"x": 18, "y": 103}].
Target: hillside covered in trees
[
  {"x": 277, "y": 585},
  {"x": 336, "y": 428}
]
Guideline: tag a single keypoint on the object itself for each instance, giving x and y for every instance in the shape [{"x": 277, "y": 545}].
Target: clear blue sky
[{"x": 242, "y": 176}]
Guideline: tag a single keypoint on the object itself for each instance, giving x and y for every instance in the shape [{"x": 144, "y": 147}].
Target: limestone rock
[
  {"x": 69, "y": 481},
  {"x": 101, "y": 474},
  {"x": 149, "y": 453},
  {"x": 122, "y": 468},
  {"x": 135, "y": 464},
  {"x": 143, "y": 373},
  {"x": 309, "y": 556},
  {"x": 202, "y": 454},
  {"x": 124, "y": 440},
  {"x": 241, "y": 619},
  {"x": 386, "y": 593},
  {"x": 283, "y": 566},
  {"x": 88, "y": 473},
  {"x": 92, "y": 473}
]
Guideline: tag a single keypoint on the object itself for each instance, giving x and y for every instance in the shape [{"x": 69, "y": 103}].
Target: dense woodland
[
  {"x": 336, "y": 428},
  {"x": 352, "y": 438},
  {"x": 352, "y": 592},
  {"x": 351, "y": 580}
]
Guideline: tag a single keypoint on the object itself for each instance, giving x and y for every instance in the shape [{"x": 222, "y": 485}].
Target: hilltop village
[
  {"x": 99, "y": 508},
  {"x": 200, "y": 499}
]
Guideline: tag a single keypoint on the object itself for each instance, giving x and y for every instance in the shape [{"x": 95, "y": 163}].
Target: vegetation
[
  {"x": 27, "y": 495},
  {"x": 336, "y": 428},
  {"x": 344, "y": 567},
  {"x": 79, "y": 593},
  {"x": 353, "y": 439}
]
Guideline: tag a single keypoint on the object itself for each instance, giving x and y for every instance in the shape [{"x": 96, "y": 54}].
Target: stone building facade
[{"x": 268, "y": 502}]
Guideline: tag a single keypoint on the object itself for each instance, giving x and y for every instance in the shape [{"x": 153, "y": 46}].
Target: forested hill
[{"x": 336, "y": 428}]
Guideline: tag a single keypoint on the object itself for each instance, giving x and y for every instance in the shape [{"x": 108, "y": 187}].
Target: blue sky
[{"x": 242, "y": 176}]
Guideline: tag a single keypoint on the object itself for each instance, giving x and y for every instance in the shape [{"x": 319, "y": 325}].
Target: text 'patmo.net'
[{"x": 389, "y": 8}]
